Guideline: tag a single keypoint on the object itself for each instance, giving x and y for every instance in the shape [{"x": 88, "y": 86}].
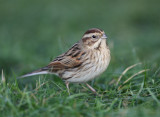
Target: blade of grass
[
  {"x": 76, "y": 95},
  {"x": 112, "y": 104},
  {"x": 141, "y": 88},
  {"x": 153, "y": 96}
]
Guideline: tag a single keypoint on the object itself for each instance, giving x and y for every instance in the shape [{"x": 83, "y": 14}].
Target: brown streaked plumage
[{"x": 84, "y": 61}]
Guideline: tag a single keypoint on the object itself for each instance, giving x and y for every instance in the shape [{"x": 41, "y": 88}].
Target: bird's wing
[
  {"x": 71, "y": 59},
  {"x": 65, "y": 63}
]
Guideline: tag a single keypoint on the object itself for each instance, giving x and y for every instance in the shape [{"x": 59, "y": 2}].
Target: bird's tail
[{"x": 36, "y": 72}]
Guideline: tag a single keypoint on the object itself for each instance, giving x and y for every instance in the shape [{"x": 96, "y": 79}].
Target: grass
[
  {"x": 48, "y": 97},
  {"x": 32, "y": 33}
]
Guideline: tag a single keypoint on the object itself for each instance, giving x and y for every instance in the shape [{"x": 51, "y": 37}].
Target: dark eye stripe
[{"x": 85, "y": 39}]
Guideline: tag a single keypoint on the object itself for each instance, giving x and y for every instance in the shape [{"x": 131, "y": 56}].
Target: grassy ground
[{"x": 33, "y": 32}]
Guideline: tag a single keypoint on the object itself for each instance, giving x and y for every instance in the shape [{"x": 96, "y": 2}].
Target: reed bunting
[{"x": 84, "y": 61}]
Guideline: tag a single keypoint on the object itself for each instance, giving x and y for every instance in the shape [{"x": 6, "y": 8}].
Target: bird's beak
[{"x": 104, "y": 36}]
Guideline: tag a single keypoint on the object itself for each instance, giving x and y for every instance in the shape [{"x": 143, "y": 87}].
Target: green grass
[{"x": 33, "y": 32}]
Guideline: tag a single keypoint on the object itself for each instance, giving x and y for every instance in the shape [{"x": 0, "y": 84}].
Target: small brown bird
[{"x": 84, "y": 61}]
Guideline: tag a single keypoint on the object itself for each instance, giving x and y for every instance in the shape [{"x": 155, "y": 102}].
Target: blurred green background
[{"x": 32, "y": 32}]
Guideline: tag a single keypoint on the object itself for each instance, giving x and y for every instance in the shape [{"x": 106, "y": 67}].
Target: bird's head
[{"x": 93, "y": 38}]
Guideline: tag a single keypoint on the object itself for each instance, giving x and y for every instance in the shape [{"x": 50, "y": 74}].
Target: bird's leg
[
  {"x": 67, "y": 85},
  {"x": 91, "y": 88}
]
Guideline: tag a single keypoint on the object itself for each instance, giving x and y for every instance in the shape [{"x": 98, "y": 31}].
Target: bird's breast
[{"x": 94, "y": 64}]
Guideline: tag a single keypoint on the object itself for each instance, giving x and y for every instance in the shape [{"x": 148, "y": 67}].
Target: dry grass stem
[
  {"x": 3, "y": 77},
  {"x": 125, "y": 71},
  {"x": 41, "y": 85},
  {"x": 132, "y": 77}
]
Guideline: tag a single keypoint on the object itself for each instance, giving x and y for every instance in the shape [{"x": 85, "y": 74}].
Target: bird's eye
[{"x": 93, "y": 36}]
